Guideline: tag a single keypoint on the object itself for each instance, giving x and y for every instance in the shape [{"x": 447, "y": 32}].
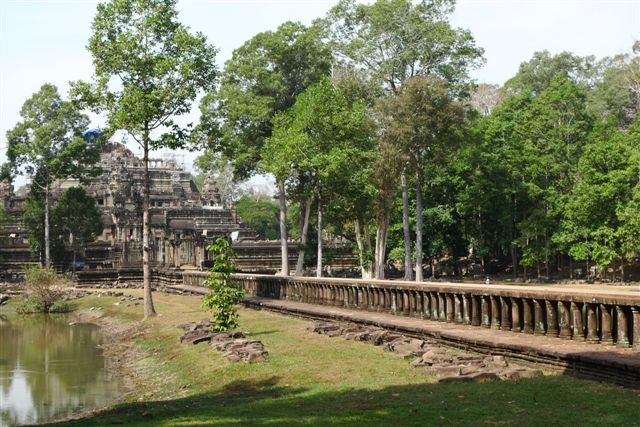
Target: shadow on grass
[{"x": 541, "y": 401}]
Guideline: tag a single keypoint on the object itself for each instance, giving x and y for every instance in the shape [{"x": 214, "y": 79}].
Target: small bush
[
  {"x": 44, "y": 292},
  {"x": 224, "y": 293}
]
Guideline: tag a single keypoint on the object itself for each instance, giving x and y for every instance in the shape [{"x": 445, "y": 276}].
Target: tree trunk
[
  {"x": 622, "y": 269},
  {"x": 149, "y": 309},
  {"x": 419, "y": 277},
  {"x": 406, "y": 227},
  {"x": 570, "y": 267},
  {"x": 382, "y": 228},
  {"x": 514, "y": 261},
  {"x": 47, "y": 249},
  {"x": 73, "y": 266},
  {"x": 303, "y": 237},
  {"x": 361, "y": 252},
  {"x": 319, "y": 225},
  {"x": 367, "y": 272},
  {"x": 284, "y": 249}
]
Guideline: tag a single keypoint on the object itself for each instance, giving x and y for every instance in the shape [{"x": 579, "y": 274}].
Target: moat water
[{"x": 51, "y": 368}]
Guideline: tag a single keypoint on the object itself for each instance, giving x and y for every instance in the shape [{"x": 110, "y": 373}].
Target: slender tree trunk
[
  {"x": 406, "y": 227},
  {"x": 47, "y": 243},
  {"x": 284, "y": 249},
  {"x": 514, "y": 261},
  {"x": 319, "y": 225},
  {"x": 364, "y": 248},
  {"x": 382, "y": 228},
  {"x": 303, "y": 236},
  {"x": 419, "y": 277},
  {"x": 570, "y": 267},
  {"x": 360, "y": 244},
  {"x": 622, "y": 269},
  {"x": 149, "y": 309}
]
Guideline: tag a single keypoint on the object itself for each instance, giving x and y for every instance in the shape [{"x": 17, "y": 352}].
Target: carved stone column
[
  {"x": 635, "y": 328},
  {"x": 552, "y": 319},
  {"x": 592, "y": 323},
  {"x": 450, "y": 307},
  {"x": 458, "y": 308},
  {"x": 527, "y": 316},
  {"x": 606, "y": 324},
  {"x": 495, "y": 312},
  {"x": 515, "y": 315},
  {"x": 406, "y": 302},
  {"x": 485, "y": 306},
  {"x": 442, "y": 313},
  {"x": 476, "y": 313},
  {"x": 577, "y": 325},
  {"x": 564, "y": 320},
  {"x": 622, "y": 337},
  {"x": 505, "y": 317},
  {"x": 538, "y": 318},
  {"x": 466, "y": 309}
]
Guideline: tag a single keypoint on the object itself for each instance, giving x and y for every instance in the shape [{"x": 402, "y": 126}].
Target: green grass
[{"x": 312, "y": 379}]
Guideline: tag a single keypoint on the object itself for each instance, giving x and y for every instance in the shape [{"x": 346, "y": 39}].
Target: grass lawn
[{"x": 312, "y": 379}]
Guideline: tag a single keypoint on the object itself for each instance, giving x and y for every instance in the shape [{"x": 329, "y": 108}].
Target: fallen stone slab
[
  {"x": 480, "y": 377},
  {"x": 519, "y": 373},
  {"x": 205, "y": 324}
]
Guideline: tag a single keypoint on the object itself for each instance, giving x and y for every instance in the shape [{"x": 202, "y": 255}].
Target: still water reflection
[{"x": 50, "y": 368}]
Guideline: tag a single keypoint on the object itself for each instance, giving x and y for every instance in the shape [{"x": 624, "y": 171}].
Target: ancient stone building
[{"x": 184, "y": 221}]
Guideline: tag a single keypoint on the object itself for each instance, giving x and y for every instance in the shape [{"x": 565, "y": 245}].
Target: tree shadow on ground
[{"x": 551, "y": 400}]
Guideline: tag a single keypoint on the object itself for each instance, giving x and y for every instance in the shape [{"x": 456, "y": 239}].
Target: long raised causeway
[{"x": 595, "y": 316}]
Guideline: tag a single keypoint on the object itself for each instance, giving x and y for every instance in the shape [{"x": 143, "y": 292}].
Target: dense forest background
[{"x": 537, "y": 178}]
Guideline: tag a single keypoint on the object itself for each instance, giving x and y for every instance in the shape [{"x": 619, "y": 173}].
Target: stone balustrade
[{"x": 577, "y": 314}]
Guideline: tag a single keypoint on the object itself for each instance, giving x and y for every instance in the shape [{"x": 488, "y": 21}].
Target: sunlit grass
[{"x": 312, "y": 379}]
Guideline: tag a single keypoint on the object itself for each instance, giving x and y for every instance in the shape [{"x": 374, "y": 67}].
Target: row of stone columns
[{"x": 584, "y": 321}]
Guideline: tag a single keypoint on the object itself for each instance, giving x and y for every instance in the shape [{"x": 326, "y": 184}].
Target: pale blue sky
[{"x": 44, "y": 40}]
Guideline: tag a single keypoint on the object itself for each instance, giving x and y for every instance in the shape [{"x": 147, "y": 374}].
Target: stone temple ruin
[{"x": 184, "y": 221}]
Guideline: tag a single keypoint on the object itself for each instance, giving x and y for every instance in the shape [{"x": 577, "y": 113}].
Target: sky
[{"x": 44, "y": 41}]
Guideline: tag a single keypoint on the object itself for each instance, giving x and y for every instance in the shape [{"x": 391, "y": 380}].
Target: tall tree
[
  {"x": 148, "y": 70},
  {"x": 262, "y": 78},
  {"x": 423, "y": 123},
  {"x": 77, "y": 215},
  {"x": 323, "y": 134},
  {"x": 394, "y": 40},
  {"x": 48, "y": 142}
]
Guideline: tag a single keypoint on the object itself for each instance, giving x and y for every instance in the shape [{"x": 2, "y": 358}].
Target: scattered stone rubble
[
  {"x": 233, "y": 344},
  {"x": 4, "y": 299},
  {"x": 434, "y": 359},
  {"x": 129, "y": 300}
]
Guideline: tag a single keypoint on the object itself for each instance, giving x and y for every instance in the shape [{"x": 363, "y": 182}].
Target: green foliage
[
  {"x": 77, "y": 214},
  {"x": 148, "y": 69},
  {"x": 261, "y": 214},
  {"x": 48, "y": 139},
  {"x": 395, "y": 40},
  {"x": 224, "y": 292},
  {"x": 262, "y": 78},
  {"x": 43, "y": 291}
]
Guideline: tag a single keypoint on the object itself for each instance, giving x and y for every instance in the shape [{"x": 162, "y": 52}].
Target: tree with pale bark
[{"x": 149, "y": 68}]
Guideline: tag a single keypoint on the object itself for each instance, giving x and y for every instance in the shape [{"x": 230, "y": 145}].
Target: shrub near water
[{"x": 44, "y": 292}]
